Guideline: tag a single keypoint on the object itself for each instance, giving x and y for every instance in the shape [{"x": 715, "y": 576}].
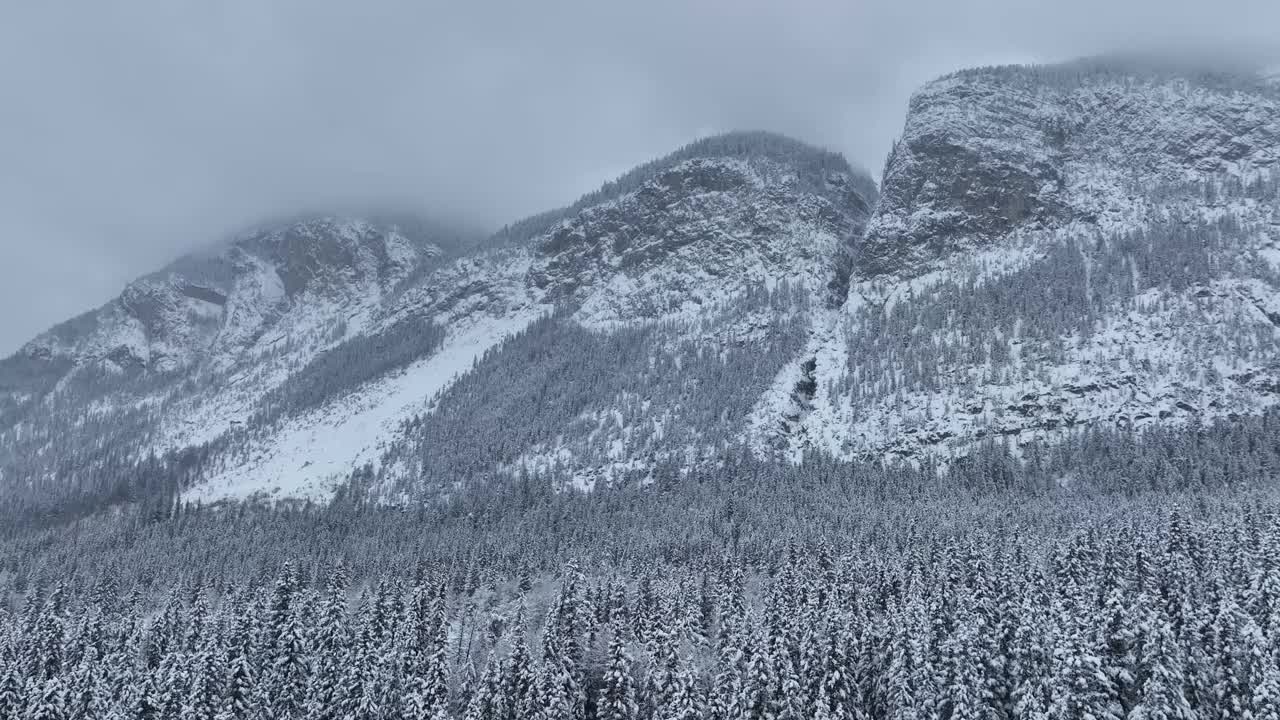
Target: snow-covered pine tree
[
  {"x": 1161, "y": 673},
  {"x": 1081, "y": 689},
  {"x": 618, "y": 695}
]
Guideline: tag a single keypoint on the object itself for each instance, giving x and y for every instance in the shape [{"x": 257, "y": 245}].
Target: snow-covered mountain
[
  {"x": 219, "y": 327},
  {"x": 1090, "y": 245},
  {"x": 1084, "y": 245},
  {"x": 292, "y": 356},
  {"x": 680, "y": 262}
]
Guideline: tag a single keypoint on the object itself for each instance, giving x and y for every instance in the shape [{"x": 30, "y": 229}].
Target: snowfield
[{"x": 311, "y": 454}]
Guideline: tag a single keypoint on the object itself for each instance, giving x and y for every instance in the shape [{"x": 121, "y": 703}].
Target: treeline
[
  {"x": 455, "y": 452},
  {"x": 671, "y": 514},
  {"x": 1145, "y": 588}
]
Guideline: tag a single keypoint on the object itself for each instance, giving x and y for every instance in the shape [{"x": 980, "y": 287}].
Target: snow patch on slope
[
  {"x": 312, "y": 454},
  {"x": 790, "y": 422}
]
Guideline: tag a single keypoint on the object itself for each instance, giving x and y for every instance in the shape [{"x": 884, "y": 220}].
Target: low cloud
[{"x": 134, "y": 131}]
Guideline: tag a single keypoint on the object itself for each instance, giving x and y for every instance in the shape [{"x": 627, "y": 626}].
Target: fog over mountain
[
  {"x": 673, "y": 360},
  {"x": 136, "y": 131}
]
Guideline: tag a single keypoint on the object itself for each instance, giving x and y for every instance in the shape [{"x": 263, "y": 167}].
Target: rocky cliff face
[
  {"x": 695, "y": 235},
  {"x": 243, "y": 314},
  {"x": 987, "y": 153},
  {"x": 308, "y": 350},
  {"x": 1082, "y": 245},
  {"x": 217, "y": 303}
]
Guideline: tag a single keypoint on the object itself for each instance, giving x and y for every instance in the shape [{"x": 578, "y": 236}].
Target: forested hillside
[
  {"x": 980, "y": 607},
  {"x": 1111, "y": 576}
]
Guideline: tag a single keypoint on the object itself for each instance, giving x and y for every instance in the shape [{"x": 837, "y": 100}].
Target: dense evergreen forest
[
  {"x": 1146, "y": 611},
  {"x": 1110, "y": 576}
]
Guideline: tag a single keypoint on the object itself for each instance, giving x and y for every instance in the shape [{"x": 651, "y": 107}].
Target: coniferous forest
[{"x": 1146, "y": 587}]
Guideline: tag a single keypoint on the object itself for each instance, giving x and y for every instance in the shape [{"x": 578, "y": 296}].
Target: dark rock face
[
  {"x": 975, "y": 162},
  {"x": 1088, "y": 244},
  {"x": 183, "y": 315},
  {"x": 989, "y": 153},
  {"x": 304, "y": 257},
  {"x": 205, "y": 294},
  {"x": 975, "y": 200},
  {"x": 708, "y": 213},
  {"x": 328, "y": 253}
]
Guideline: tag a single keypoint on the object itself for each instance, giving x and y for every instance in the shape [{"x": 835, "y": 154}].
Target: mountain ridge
[
  {"x": 1053, "y": 249},
  {"x": 736, "y": 143},
  {"x": 1128, "y": 215},
  {"x": 352, "y": 286}
]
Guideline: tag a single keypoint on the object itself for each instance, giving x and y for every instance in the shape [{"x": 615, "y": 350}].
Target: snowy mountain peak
[
  {"x": 299, "y": 352},
  {"x": 1057, "y": 248},
  {"x": 697, "y": 233},
  {"x": 818, "y": 170},
  {"x": 247, "y": 312},
  {"x": 991, "y": 152},
  {"x": 1054, "y": 248},
  {"x": 209, "y": 302}
]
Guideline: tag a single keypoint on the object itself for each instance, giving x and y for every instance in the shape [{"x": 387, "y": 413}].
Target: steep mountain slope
[
  {"x": 1092, "y": 244},
  {"x": 620, "y": 337},
  {"x": 288, "y": 359},
  {"x": 81, "y": 403}
]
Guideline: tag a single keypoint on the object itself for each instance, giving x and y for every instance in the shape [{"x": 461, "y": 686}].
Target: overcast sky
[{"x": 132, "y": 131}]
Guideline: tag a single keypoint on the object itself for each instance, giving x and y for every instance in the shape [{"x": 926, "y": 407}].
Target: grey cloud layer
[{"x": 134, "y": 131}]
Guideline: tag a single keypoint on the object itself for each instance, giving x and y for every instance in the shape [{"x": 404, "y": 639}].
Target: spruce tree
[{"x": 618, "y": 699}]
